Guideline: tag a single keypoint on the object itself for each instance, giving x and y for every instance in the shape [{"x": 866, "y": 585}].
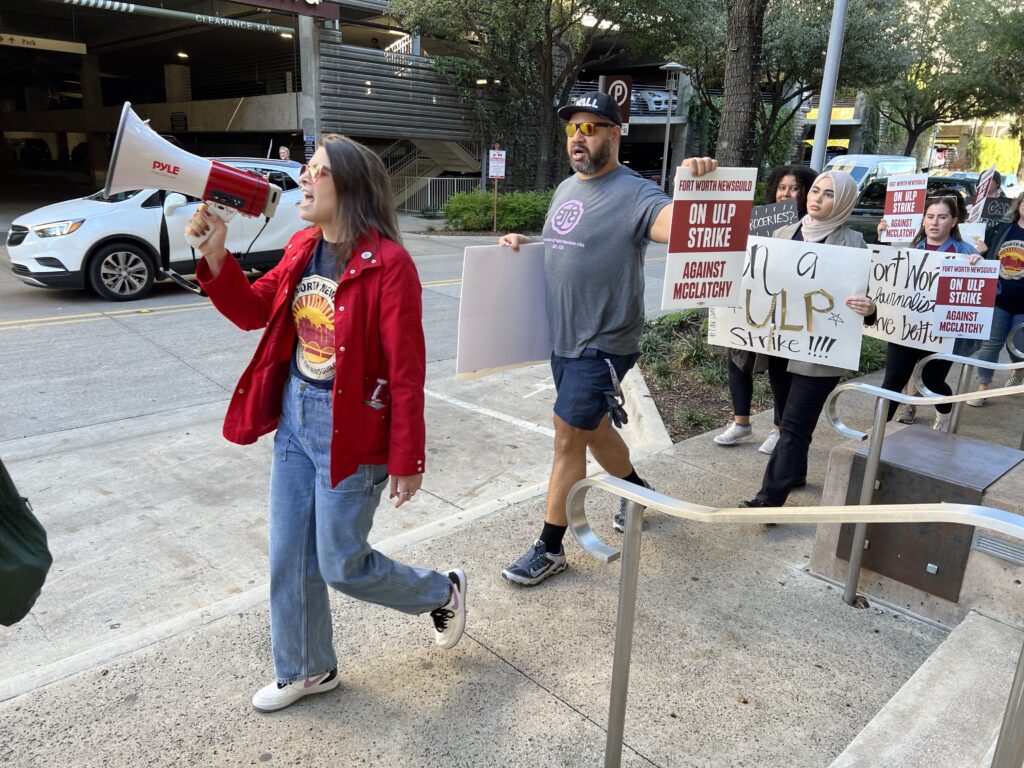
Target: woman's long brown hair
[{"x": 364, "y": 194}]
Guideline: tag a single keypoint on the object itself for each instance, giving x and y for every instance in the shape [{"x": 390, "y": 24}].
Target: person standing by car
[
  {"x": 829, "y": 203},
  {"x": 940, "y": 232},
  {"x": 787, "y": 182},
  {"x": 339, "y": 373},
  {"x": 1007, "y": 245},
  {"x": 284, "y": 153}
]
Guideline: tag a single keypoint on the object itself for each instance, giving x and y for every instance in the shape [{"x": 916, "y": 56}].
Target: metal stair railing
[
  {"x": 1009, "y": 751},
  {"x": 882, "y": 398}
]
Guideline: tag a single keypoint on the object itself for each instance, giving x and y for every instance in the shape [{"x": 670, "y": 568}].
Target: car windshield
[
  {"x": 117, "y": 197},
  {"x": 857, "y": 171}
]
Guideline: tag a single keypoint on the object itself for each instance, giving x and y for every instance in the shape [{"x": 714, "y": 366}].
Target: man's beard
[{"x": 596, "y": 159}]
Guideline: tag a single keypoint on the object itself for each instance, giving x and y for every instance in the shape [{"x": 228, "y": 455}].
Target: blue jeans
[
  {"x": 1002, "y": 322},
  {"x": 318, "y": 539}
]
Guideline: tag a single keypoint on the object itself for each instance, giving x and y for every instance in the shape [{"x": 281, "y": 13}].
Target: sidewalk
[{"x": 740, "y": 659}]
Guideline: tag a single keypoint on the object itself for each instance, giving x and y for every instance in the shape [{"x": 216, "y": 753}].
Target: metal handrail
[
  {"x": 882, "y": 398},
  {"x": 967, "y": 364},
  {"x": 1009, "y": 751}
]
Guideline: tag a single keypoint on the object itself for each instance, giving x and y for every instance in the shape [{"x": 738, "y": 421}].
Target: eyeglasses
[
  {"x": 313, "y": 170},
  {"x": 587, "y": 129}
]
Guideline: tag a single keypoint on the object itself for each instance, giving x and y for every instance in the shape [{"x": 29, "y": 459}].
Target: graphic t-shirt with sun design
[
  {"x": 313, "y": 313},
  {"x": 1011, "y": 271}
]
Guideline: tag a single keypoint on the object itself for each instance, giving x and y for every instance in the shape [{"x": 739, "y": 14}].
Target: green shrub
[
  {"x": 523, "y": 211},
  {"x": 517, "y": 211},
  {"x": 470, "y": 210}
]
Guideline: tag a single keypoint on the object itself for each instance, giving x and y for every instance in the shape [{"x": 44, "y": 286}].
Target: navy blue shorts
[{"x": 582, "y": 384}]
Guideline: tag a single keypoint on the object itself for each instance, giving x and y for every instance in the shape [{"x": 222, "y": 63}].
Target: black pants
[
  {"x": 899, "y": 366},
  {"x": 741, "y": 385},
  {"x": 788, "y": 464}
]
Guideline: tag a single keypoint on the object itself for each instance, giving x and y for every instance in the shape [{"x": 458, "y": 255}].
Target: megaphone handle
[{"x": 222, "y": 211}]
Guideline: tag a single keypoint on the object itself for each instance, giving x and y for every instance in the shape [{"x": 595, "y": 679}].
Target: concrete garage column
[
  {"x": 308, "y": 101},
  {"x": 92, "y": 104}
]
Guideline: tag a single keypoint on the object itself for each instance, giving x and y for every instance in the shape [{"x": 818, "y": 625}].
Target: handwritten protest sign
[
  {"x": 973, "y": 233},
  {"x": 996, "y": 209},
  {"x": 902, "y": 285},
  {"x": 708, "y": 236},
  {"x": 965, "y": 297},
  {"x": 765, "y": 219},
  {"x": 793, "y": 303},
  {"x": 904, "y": 206}
]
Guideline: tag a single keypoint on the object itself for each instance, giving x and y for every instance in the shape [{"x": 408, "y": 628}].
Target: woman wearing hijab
[
  {"x": 787, "y": 182},
  {"x": 829, "y": 203}
]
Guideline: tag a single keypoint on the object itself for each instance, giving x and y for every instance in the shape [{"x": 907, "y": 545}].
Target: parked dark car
[{"x": 868, "y": 211}]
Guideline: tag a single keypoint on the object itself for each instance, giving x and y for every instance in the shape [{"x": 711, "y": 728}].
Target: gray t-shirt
[{"x": 594, "y": 240}]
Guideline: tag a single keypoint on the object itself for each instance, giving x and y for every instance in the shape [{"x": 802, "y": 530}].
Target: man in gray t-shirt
[{"x": 595, "y": 234}]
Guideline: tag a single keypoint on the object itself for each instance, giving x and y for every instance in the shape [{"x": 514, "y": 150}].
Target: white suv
[{"x": 113, "y": 245}]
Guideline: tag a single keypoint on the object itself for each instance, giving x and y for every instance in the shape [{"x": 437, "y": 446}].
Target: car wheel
[{"x": 121, "y": 272}]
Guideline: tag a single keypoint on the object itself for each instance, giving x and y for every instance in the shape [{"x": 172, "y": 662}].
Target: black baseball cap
[{"x": 596, "y": 103}]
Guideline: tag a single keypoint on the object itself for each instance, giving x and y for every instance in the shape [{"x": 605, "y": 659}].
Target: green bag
[{"x": 24, "y": 556}]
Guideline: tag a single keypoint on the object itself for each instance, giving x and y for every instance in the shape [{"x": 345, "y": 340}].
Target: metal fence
[{"x": 414, "y": 193}]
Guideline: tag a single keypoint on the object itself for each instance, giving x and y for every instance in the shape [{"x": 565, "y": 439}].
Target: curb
[{"x": 645, "y": 432}]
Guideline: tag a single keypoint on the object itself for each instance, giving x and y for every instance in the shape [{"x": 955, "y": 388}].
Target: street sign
[
  {"x": 620, "y": 88},
  {"x": 496, "y": 164},
  {"x": 41, "y": 43}
]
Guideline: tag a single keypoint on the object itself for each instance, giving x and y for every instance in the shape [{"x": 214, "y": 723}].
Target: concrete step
[{"x": 948, "y": 713}]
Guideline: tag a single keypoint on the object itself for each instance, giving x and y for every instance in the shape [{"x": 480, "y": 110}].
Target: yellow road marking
[{"x": 89, "y": 317}]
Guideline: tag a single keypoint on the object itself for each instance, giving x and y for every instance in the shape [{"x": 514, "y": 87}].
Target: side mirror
[{"x": 173, "y": 202}]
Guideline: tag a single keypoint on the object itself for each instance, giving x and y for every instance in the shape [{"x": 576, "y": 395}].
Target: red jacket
[{"x": 378, "y": 334}]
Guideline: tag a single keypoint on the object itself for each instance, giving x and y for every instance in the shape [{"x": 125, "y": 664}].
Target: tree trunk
[
  {"x": 742, "y": 82},
  {"x": 912, "y": 137}
]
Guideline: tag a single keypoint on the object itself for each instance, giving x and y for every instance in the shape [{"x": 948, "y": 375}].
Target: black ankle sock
[
  {"x": 552, "y": 536},
  {"x": 633, "y": 478}
]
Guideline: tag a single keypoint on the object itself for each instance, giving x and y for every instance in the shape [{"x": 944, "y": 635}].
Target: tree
[
  {"x": 997, "y": 69},
  {"x": 744, "y": 35},
  {"x": 537, "y": 48},
  {"x": 792, "y": 59},
  {"x": 944, "y": 81}
]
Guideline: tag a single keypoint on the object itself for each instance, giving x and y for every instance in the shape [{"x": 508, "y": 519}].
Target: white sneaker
[
  {"x": 768, "y": 446},
  {"x": 941, "y": 421},
  {"x": 978, "y": 402},
  {"x": 736, "y": 433},
  {"x": 906, "y": 413},
  {"x": 1014, "y": 381},
  {"x": 450, "y": 618},
  {"x": 278, "y": 696}
]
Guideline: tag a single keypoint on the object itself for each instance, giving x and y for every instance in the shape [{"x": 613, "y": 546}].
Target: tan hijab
[{"x": 845, "y": 190}]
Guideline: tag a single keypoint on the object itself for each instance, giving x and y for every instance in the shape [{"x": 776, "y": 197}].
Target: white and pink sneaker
[{"x": 277, "y": 696}]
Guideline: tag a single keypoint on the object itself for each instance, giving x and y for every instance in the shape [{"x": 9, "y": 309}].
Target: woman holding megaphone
[{"x": 339, "y": 373}]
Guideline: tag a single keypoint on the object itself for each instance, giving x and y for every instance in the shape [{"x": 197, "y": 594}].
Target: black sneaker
[
  {"x": 619, "y": 521},
  {"x": 535, "y": 566},
  {"x": 450, "y": 618}
]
